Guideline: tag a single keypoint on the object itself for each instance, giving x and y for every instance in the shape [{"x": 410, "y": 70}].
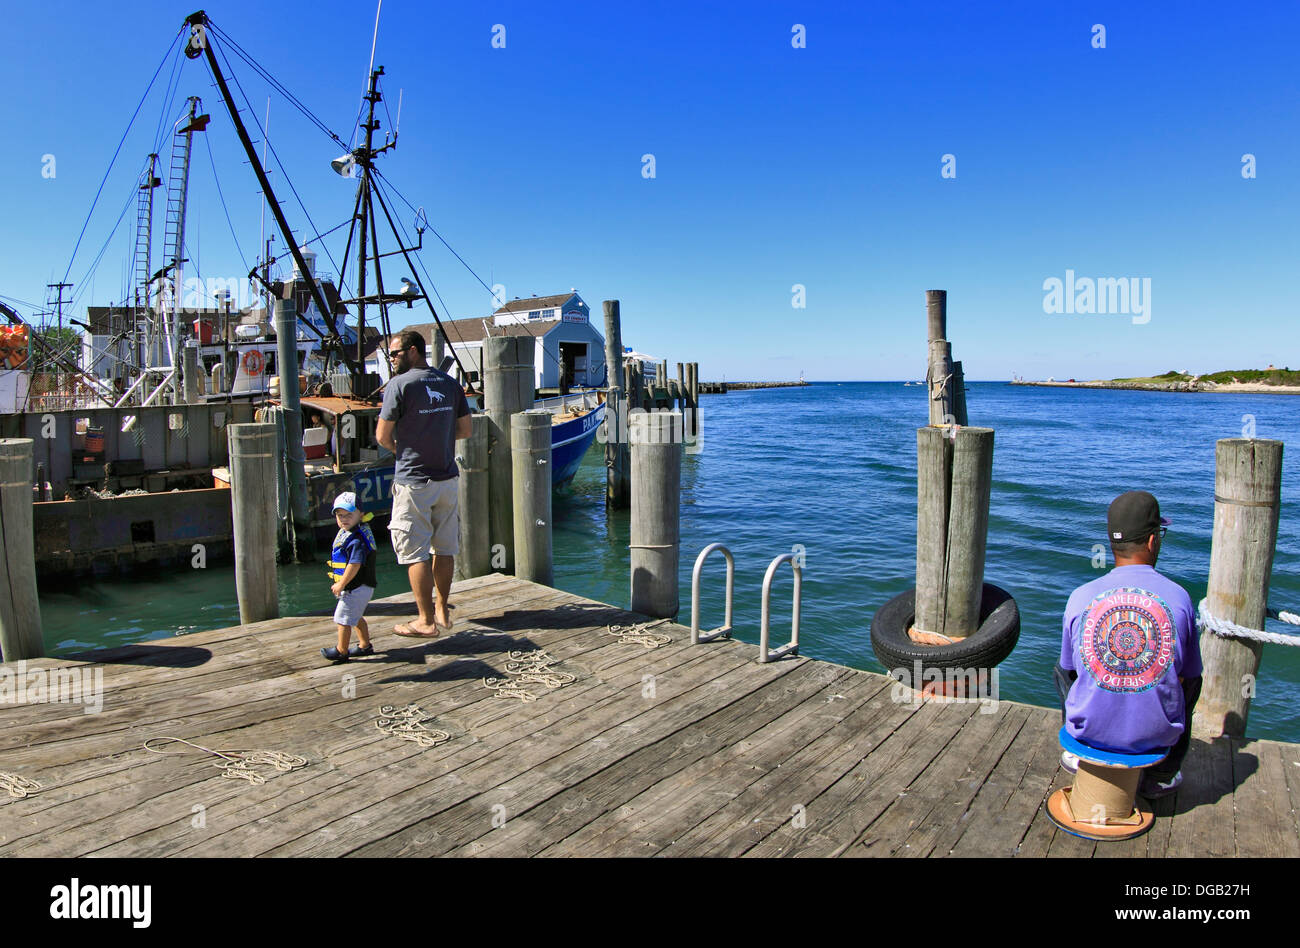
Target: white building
[{"x": 560, "y": 323}]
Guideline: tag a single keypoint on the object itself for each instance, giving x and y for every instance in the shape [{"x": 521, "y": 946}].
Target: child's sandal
[
  {"x": 356, "y": 650},
  {"x": 334, "y": 655}
]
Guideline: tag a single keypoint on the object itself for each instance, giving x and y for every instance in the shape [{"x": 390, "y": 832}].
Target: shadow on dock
[{"x": 671, "y": 750}]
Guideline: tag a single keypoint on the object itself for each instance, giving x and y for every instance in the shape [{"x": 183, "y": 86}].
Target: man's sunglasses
[{"x": 394, "y": 353}]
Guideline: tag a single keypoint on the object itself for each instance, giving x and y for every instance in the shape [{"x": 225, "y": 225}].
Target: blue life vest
[{"x": 338, "y": 557}]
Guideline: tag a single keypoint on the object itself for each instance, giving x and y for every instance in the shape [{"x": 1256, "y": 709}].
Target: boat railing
[{"x": 580, "y": 401}]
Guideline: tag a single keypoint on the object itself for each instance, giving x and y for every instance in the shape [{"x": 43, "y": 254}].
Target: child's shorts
[{"x": 352, "y": 605}]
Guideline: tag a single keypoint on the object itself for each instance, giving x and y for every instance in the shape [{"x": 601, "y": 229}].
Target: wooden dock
[{"x": 678, "y": 750}]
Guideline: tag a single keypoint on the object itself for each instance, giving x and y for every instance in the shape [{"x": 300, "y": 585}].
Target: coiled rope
[
  {"x": 18, "y": 786},
  {"x": 235, "y": 763},
  {"x": 640, "y": 634},
  {"x": 1205, "y": 620},
  {"x": 529, "y": 668},
  {"x": 409, "y": 724}
]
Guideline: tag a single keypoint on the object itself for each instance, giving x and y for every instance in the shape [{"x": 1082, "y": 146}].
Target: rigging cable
[
  {"x": 420, "y": 263},
  {"x": 414, "y": 209},
  {"x": 274, "y": 83},
  {"x": 238, "y": 249},
  {"x": 94, "y": 264},
  {"x": 283, "y": 170},
  {"x": 113, "y": 161},
  {"x": 168, "y": 100},
  {"x": 399, "y": 231}
]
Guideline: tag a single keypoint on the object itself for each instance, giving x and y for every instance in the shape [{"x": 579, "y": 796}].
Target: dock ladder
[
  {"x": 723, "y": 630},
  {"x": 765, "y": 652}
]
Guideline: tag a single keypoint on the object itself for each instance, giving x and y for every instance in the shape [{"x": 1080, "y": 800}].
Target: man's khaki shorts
[{"x": 425, "y": 521}]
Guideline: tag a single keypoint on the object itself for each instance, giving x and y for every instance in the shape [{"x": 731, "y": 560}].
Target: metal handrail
[
  {"x": 792, "y": 647},
  {"x": 723, "y": 630}
]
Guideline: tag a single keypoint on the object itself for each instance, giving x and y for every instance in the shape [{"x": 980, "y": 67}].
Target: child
[{"x": 352, "y": 568}]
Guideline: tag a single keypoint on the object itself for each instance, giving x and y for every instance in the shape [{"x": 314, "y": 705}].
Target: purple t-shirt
[{"x": 1129, "y": 635}]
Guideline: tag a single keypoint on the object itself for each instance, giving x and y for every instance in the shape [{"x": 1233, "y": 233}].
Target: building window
[
  {"x": 534, "y": 314},
  {"x": 548, "y": 314}
]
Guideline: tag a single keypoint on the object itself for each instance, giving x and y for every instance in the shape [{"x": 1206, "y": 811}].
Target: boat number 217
[{"x": 375, "y": 488}]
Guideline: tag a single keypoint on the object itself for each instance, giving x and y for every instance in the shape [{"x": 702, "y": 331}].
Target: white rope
[
  {"x": 18, "y": 786},
  {"x": 409, "y": 724},
  {"x": 529, "y": 668},
  {"x": 640, "y": 634},
  {"x": 1231, "y": 630},
  {"x": 238, "y": 764}
]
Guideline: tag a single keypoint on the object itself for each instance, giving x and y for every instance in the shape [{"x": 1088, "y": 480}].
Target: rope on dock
[
  {"x": 409, "y": 724},
  {"x": 1231, "y": 630},
  {"x": 18, "y": 786},
  {"x": 238, "y": 764},
  {"x": 529, "y": 668},
  {"x": 639, "y": 634}
]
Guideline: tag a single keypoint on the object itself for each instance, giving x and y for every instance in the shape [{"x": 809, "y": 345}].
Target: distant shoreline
[{"x": 1248, "y": 388}]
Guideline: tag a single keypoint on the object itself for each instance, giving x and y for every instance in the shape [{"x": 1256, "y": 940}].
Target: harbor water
[{"x": 829, "y": 471}]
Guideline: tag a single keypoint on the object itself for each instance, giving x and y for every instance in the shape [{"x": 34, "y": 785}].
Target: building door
[{"x": 573, "y": 363}]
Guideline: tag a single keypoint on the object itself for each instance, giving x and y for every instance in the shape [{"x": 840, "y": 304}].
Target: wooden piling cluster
[
  {"x": 954, "y": 482},
  {"x": 943, "y": 376},
  {"x": 630, "y": 394}
]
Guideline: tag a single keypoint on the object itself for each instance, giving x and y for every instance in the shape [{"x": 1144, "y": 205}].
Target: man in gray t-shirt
[{"x": 424, "y": 414}]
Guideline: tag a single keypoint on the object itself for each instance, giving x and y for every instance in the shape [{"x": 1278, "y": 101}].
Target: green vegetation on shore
[{"x": 1262, "y": 376}]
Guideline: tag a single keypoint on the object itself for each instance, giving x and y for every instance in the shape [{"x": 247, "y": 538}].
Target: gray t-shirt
[{"x": 425, "y": 404}]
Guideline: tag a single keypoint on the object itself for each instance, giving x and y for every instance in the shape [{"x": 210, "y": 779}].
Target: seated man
[{"x": 1130, "y": 668}]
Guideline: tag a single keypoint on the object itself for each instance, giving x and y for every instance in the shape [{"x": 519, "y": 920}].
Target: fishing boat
[{"x": 137, "y": 457}]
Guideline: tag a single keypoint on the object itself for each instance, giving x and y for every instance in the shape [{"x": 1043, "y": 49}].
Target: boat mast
[
  {"x": 178, "y": 186},
  {"x": 142, "y": 274},
  {"x": 200, "y": 44}
]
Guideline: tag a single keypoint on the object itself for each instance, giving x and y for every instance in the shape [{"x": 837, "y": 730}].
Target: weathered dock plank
[
  {"x": 838, "y": 816},
  {"x": 913, "y": 825},
  {"x": 769, "y": 802},
  {"x": 1265, "y": 818},
  {"x": 681, "y": 803},
  {"x": 678, "y": 750},
  {"x": 1006, "y": 802},
  {"x": 1203, "y": 819}
]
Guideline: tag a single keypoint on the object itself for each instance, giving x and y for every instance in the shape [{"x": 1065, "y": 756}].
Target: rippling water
[{"x": 833, "y": 467}]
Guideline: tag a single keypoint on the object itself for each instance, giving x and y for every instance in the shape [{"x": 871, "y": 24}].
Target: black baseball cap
[{"x": 1134, "y": 515}]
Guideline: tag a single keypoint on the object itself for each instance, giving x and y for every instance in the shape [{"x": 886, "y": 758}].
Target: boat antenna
[{"x": 374, "y": 40}]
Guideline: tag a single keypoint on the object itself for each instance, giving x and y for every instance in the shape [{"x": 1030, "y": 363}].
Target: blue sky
[{"x": 774, "y": 166}]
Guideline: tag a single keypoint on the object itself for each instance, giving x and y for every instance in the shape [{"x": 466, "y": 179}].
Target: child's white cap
[{"x": 346, "y": 501}]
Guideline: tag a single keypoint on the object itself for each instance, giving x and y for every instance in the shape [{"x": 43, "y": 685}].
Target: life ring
[
  {"x": 992, "y": 642},
  {"x": 254, "y": 361}
]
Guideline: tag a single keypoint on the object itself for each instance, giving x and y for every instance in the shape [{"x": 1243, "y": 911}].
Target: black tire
[{"x": 997, "y": 635}]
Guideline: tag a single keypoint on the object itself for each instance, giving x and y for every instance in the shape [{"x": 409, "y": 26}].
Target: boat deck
[{"x": 674, "y": 750}]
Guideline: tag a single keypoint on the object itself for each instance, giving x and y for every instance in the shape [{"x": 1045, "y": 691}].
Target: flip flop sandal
[{"x": 407, "y": 632}]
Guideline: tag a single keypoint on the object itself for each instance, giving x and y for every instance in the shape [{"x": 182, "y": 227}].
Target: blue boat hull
[
  {"x": 569, "y": 443},
  {"x": 374, "y": 488}
]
